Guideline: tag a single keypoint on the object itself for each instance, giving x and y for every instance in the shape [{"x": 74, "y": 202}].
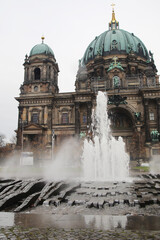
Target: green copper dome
[
  {"x": 115, "y": 41},
  {"x": 41, "y": 49}
]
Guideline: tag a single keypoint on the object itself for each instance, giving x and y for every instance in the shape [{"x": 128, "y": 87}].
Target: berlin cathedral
[{"x": 116, "y": 62}]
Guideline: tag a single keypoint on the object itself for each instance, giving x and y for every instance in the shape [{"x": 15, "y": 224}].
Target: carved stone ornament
[{"x": 117, "y": 100}]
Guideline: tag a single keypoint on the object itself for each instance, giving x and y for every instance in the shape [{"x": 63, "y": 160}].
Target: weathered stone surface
[
  {"x": 16, "y": 196},
  {"x": 7, "y": 184},
  {"x": 45, "y": 191},
  {"x": 30, "y": 200},
  {"x": 140, "y": 193}
]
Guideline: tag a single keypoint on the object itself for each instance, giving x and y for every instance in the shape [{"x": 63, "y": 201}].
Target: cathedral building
[{"x": 116, "y": 62}]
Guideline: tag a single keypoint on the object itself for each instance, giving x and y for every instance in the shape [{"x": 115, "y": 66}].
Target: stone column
[
  {"x": 42, "y": 115},
  {"x": 24, "y": 116},
  {"x": 29, "y": 115},
  {"x": 30, "y": 74},
  {"x": 45, "y": 114},
  {"x": 25, "y": 74},
  {"x": 146, "y": 115},
  {"x": 47, "y": 72},
  {"x": 139, "y": 141},
  {"x": 158, "y": 115},
  {"x": 77, "y": 119},
  {"x": 44, "y": 72},
  {"x": 52, "y": 72},
  {"x": 89, "y": 113},
  {"x": 49, "y": 122},
  {"x": 19, "y": 132}
]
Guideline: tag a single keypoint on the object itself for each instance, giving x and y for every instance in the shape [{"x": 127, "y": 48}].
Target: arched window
[
  {"x": 84, "y": 118},
  {"x": 65, "y": 118},
  {"x": 151, "y": 116},
  {"x": 116, "y": 82},
  {"x": 37, "y": 74},
  {"x": 120, "y": 120},
  {"x": 35, "y": 117}
]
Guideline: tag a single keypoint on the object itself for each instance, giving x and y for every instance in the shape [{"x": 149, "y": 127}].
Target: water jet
[{"x": 104, "y": 158}]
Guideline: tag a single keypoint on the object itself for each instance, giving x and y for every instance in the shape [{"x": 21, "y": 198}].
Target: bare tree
[
  {"x": 13, "y": 139},
  {"x": 2, "y": 142}
]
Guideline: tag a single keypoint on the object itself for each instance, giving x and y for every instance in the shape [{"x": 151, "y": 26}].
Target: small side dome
[{"x": 41, "y": 49}]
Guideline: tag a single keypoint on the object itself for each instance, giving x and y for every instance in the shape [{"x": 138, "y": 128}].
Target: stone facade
[{"x": 123, "y": 75}]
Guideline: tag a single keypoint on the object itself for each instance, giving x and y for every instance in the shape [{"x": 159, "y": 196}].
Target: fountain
[{"x": 104, "y": 158}]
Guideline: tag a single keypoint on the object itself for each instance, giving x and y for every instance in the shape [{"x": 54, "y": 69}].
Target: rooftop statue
[{"x": 155, "y": 135}]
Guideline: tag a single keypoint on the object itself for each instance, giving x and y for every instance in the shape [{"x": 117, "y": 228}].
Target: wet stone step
[
  {"x": 68, "y": 190},
  {"x": 158, "y": 200},
  {"x": 54, "y": 191},
  {"x": 116, "y": 201},
  {"x": 140, "y": 182},
  {"x": 5, "y": 191},
  {"x": 28, "y": 202},
  {"x": 131, "y": 203},
  {"x": 80, "y": 201},
  {"x": 77, "y": 199},
  {"x": 3, "y": 186},
  {"x": 85, "y": 191},
  {"x": 11, "y": 191},
  {"x": 111, "y": 203},
  {"x": 20, "y": 195},
  {"x": 126, "y": 201},
  {"x": 151, "y": 182},
  {"x": 92, "y": 203},
  {"x": 154, "y": 200},
  {"x": 25, "y": 193},
  {"x": 60, "y": 197},
  {"x": 139, "y": 194},
  {"x": 153, "y": 176},
  {"x": 136, "y": 201},
  {"x": 48, "y": 186},
  {"x": 147, "y": 200},
  {"x": 113, "y": 194},
  {"x": 157, "y": 181},
  {"x": 157, "y": 186},
  {"x": 142, "y": 203},
  {"x": 101, "y": 203},
  {"x": 6, "y": 180}
]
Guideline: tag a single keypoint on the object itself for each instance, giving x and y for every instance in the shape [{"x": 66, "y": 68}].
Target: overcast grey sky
[{"x": 68, "y": 26}]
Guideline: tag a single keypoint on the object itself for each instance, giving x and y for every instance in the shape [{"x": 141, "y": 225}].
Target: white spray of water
[
  {"x": 65, "y": 164},
  {"x": 154, "y": 164},
  {"x": 104, "y": 158}
]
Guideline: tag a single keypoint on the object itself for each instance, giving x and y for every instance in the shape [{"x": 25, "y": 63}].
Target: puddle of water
[
  {"x": 6, "y": 219},
  {"x": 103, "y": 222}
]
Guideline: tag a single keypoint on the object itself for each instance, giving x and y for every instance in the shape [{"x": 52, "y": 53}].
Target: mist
[{"x": 66, "y": 162}]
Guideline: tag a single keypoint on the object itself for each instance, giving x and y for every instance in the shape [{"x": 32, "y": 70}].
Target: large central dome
[{"x": 115, "y": 41}]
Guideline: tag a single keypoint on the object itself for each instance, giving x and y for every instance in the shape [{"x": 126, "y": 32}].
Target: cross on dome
[
  {"x": 42, "y": 39},
  {"x": 115, "y": 60},
  {"x": 114, "y": 24},
  {"x": 113, "y": 5}
]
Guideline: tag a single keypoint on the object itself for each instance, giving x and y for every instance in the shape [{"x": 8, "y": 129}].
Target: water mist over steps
[{"x": 104, "y": 158}]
